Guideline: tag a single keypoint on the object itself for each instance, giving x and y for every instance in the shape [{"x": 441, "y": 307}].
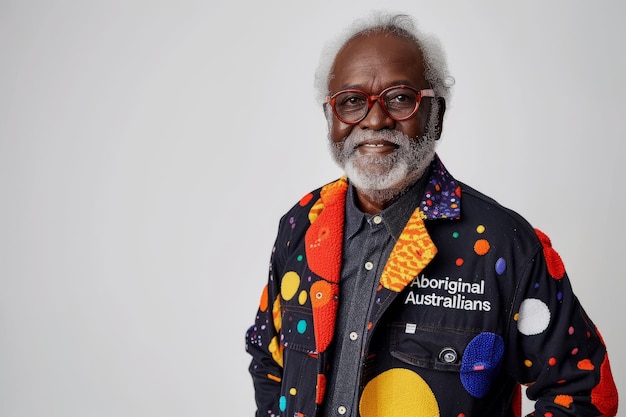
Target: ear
[{"x": 441, "y": 109}]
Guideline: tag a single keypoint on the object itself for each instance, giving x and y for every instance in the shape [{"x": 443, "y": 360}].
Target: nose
[{"x": 377, "y": 119}]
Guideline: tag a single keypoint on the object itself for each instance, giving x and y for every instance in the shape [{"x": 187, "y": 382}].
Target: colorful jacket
[{"x": 472, "y": 303}]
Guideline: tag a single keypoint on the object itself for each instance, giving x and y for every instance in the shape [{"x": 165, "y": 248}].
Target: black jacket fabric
[{"x": 472, "y": 303}]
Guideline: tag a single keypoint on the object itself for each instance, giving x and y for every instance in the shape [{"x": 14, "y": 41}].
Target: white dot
[{"x": 534, "y": 317}]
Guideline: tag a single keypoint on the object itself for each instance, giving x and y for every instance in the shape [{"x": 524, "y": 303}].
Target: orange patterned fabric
[{"x": 412, "y": 252}]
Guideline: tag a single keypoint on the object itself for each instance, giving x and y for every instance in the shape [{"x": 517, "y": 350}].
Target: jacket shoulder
[{"x": 477, "y": 206}]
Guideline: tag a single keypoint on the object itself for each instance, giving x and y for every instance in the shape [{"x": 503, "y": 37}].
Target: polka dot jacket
[{"x": 472, "y": 303}]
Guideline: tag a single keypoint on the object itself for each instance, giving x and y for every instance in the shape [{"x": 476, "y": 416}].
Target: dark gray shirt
[{"x": 368, "y": 241}]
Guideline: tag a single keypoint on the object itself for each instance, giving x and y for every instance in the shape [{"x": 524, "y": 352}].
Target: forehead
[{"x": 376, "y": 61}]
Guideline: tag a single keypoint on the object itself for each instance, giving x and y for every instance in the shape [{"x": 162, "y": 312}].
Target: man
[{"x": 400, "y": 291}]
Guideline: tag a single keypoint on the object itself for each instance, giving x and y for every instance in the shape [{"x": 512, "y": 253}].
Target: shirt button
[
  {"x": 377, "y": 219},
  {"x": 369, "y": 266},
  {"x": 342, "y": 410},
  {"x": 354, "y": 336}
]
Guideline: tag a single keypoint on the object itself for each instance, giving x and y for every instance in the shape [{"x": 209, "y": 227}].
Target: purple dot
[{"x": 500, "y": 266}]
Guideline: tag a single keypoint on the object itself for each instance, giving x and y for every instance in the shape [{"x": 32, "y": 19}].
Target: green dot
[
  {"x": 455, "y": 235},
  {"x": 299, "y": 258}
]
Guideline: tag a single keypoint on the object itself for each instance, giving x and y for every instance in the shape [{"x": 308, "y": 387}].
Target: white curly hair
[{"x": 436, "y": 67}]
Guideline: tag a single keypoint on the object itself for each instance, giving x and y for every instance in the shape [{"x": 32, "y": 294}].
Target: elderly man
[{"x": 400, "y": 291}]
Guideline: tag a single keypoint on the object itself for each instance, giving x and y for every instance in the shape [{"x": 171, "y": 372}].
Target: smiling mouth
[{"x": 378, "y": 146}]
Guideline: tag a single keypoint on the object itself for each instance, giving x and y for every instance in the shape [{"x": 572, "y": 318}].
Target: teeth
[{"x": 373, "y": 145}]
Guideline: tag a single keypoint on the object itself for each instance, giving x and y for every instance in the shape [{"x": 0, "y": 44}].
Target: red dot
[
  {"x": 552, "y": 361},
  {"x": 306, "y": 199},
  {"x": 459, "y": 261}
]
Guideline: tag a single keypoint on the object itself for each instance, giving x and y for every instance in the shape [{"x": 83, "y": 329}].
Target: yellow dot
[
  {"x": 516, "y": 316},
  {"x": 302, "y": 297},
  {"x": 395, "y": 393},
  {"x": 289, "y": 285},
  {"x": 480, "y": 228},
  {"x": 293, "y": 391},
  {"x": 528, "y": 363}
]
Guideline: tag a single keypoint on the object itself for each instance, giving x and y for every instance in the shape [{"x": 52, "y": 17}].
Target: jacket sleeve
[
  {"x": 554, "y": 348},
  {"x": 262, "y": 342}
]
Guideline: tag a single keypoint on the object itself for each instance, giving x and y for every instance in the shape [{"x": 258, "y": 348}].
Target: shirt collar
[{"x": 441, "y": 199}]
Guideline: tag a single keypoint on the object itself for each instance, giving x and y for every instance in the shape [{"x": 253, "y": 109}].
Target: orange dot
[
  {"x": 564, "y": 400},
  {"x": 481, "y": 247},
  {"x": 264, "y": 303},
  {"x": 321, "y": 292},
  {"x": 528, "y": 363},
  {"x": 586, "y": 365},
  {"x": 370, "y": 325},
  {"x": 516, "y": 316}
]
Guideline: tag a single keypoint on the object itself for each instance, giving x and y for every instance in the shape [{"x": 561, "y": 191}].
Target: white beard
[{"x": 384, "y": 177}]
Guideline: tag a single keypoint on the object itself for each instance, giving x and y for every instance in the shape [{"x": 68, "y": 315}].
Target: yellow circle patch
[
  {"x": 289, "y": 285},
  {"x": 398, "y": 392}
]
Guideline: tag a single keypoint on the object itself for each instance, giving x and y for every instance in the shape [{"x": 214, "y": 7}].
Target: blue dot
[
  {"x": 301, "y": 326},
  {"x": 282, "y": 403},
  {"x": 500, "y": 266},
  {"x": 559, "y": 296},
  {"x": 536, "y": 285}
]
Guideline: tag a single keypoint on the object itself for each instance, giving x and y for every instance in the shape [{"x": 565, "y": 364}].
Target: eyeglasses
[{"x": 400, "y": 102}]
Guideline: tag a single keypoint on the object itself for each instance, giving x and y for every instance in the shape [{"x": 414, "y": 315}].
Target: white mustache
[{"x": 359, "y": 137}]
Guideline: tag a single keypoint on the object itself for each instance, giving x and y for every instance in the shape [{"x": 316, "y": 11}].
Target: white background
[{"x": 148, "y": 149}]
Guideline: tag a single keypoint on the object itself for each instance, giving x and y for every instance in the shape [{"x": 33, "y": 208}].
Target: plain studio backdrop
[{"x": 148, "y": 149}]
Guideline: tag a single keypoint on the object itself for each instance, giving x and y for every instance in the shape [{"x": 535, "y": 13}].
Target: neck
[{"x": 375, "y": 201}]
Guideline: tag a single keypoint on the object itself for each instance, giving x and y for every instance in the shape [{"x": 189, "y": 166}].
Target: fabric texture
[{"x": 474, "y": 302}]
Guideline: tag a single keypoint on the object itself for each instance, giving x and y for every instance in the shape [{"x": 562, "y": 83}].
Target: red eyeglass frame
[{"x": 379, "y": 98}]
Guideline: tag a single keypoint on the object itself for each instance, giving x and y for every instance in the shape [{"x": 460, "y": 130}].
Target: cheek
[
  {"x": 411, "y": 128},
  {"x": 417, "y": 125},
  {"x": 338, "y": 130}
]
